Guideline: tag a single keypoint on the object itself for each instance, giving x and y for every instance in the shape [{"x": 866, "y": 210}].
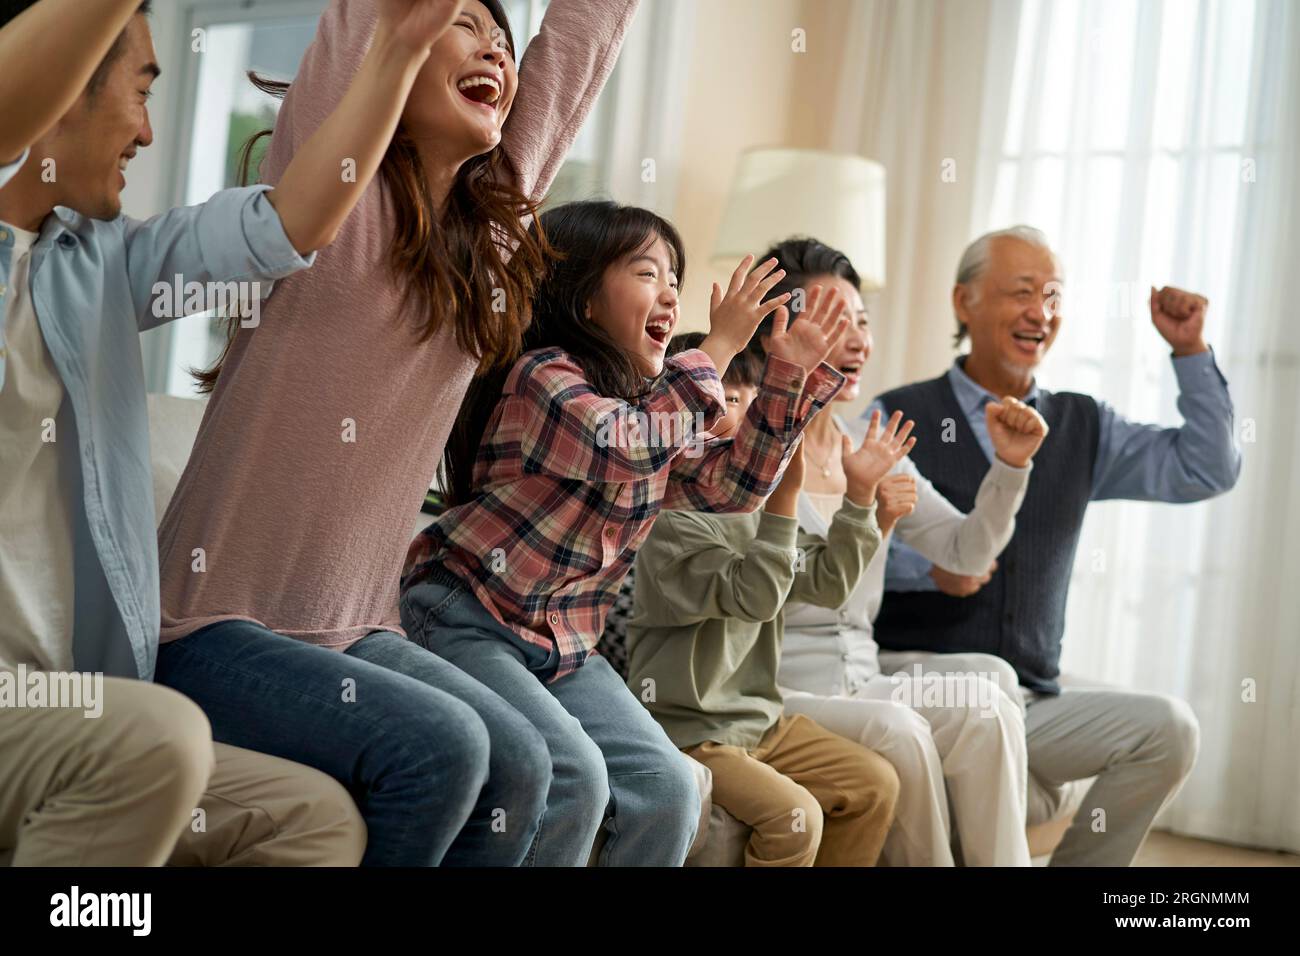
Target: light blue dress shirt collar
[{"x": 972, "y": 396}]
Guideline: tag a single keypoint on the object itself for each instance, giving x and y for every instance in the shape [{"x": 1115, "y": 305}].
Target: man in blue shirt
[
  {"x": 1139, "y": 746},
  {"x": 127, "y": 772}
]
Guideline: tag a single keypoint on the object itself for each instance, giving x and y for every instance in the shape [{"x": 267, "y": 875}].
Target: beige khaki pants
[
  {"x": 811, "y": 796},
  {"x": 143, "y": 784}
]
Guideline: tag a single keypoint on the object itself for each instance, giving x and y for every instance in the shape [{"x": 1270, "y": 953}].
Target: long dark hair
[
  {"x": 802, "y": 258},
  {"x": 458, "y": 267},
  {"x": 588, "y": 237}
]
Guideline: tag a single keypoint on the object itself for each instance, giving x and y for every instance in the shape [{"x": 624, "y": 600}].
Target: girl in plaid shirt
[{"x": 555, "y": 471}]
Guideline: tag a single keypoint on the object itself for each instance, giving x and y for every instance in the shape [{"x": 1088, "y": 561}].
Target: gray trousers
[{"x": 1139, "y": 746}]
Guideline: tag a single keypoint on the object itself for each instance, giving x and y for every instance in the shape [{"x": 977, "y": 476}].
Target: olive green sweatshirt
[{"x": 704, "y": 639}]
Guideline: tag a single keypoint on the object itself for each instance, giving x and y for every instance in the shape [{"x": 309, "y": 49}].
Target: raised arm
[
  {"x": 829, "y": 568},
  {"x": 562, "y": 72},
  {"x": 264, "y": 233},
  {"x": 1190, "y": 463},
  {"x": 697, "y": 577},
  {"x": 331, "y": 170},
  {"x": 736, "y": 474},
  {"x": 73, "y": 37},
  {"x": 565, "y": 429},
  {"x": 967, "y": 544},
  {"x": 343, "y": 36},
  {"x": 964, "y": 543}
]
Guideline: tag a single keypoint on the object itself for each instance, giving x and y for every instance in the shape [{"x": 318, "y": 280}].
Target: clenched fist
[
  {"x": 895, "y": 498},
  {"x": 1017, "y": 431},
  {"x": 1179, "y": 317}
]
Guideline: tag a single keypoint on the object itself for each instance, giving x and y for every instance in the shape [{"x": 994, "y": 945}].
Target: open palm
[
  {"x": 809, "y": 340},
  {"x": 881, "y": 449}
]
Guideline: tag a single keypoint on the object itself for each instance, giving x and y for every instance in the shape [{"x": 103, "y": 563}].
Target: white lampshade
[{"x": 836, "y": 198}]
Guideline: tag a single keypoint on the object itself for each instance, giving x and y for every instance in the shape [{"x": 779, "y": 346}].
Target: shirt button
[
  {"x": 609, "y": 532},
  {"x": 4, "y": 235},
  {"x": 66, "y": 241},
  {"x": 844, "y": 657},
  {"x": 555, "y": 619}
]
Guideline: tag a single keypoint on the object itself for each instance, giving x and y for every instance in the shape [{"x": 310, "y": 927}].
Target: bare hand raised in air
[
  {"x": 811, "y": 338},
  {"x": 881, "y": 449}
]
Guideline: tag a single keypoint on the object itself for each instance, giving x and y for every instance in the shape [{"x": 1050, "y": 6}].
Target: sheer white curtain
[
  {"x": 1156, "y": 143},
  {"x": 910, "y": 96}
]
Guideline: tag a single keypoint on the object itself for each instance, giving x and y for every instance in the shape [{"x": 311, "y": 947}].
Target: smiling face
[
  {"x": 850, "y": 356},
  {"x": 93, "y": 142},
  {"x": 637, "y": 304},
  {"x": 465, "y": 89},
  {"x": 1012, "y": 309}
]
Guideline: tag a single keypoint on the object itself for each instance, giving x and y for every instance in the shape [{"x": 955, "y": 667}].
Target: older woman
[{"x": 957, "y": 740}]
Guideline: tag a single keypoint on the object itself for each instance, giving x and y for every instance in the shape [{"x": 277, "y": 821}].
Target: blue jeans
[
  {"x": 442, "y": 769},
  {"x": 607, "y": 753}
]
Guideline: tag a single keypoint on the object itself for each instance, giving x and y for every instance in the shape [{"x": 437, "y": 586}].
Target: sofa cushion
[{"x": 173, "y": 426}]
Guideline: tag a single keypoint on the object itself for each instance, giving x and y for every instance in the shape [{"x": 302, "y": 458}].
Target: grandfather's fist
[
  {"x": 1179, "y": 317},
  {"x": 1017, "y": 431}
]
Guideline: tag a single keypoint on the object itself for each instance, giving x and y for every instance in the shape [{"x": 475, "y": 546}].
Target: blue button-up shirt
[
  {"x": 1135, "y": 461},
  {"x": 92, "y": 286}
]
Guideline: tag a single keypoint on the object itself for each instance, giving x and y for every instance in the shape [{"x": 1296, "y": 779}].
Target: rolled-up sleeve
[
  {"x": 236, "y": 236},
  {"x": 9, "y": 170}
]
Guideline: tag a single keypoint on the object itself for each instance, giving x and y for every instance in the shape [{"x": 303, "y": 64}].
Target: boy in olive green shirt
[{"x": 704, "y": 641}]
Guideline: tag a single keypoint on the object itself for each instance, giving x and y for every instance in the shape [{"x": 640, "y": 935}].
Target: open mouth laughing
[
  {"x": 660, "y": 329},
  {"x": 481, "y": 89},
  {"x": 1029, "y": 341},
  {"x": 852, "y": 371}
]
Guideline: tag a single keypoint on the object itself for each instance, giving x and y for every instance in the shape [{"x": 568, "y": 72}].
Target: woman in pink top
[{"x": 285, "y": 540}]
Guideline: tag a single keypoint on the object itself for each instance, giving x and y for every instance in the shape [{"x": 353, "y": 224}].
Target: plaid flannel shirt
[{"x": 567, "y": 483}]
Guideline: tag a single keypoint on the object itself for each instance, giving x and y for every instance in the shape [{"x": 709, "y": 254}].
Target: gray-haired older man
[{"x": 1139, "y": 746}]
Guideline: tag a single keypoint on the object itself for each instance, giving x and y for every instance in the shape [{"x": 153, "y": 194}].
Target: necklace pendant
[{"x": 826, "y": 472}]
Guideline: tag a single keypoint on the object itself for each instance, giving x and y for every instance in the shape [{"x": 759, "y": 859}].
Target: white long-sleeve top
[{"x": 831, "y": 650}]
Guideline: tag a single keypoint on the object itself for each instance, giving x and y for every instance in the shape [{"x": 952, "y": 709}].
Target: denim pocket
[
  {"x": 445, "y": 606},
  {"x": 425, "y": 605}
]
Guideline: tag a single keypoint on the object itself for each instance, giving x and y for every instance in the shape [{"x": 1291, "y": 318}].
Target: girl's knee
[{"x": 581, "y": 779}]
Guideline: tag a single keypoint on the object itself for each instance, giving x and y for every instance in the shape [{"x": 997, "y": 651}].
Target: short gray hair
[{"x": 976, "y": 257}]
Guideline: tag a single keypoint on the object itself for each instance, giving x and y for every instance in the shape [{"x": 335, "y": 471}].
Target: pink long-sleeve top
[{"x": 302, "y": 531}]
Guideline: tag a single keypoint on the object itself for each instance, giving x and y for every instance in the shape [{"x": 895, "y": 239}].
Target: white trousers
[
  {"x": 957, "y": 741},
  {"x": 1138, "y": 745}
]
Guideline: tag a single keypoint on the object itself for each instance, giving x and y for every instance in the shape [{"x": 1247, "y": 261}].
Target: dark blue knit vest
[{"x": 1020, "y": 614}]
